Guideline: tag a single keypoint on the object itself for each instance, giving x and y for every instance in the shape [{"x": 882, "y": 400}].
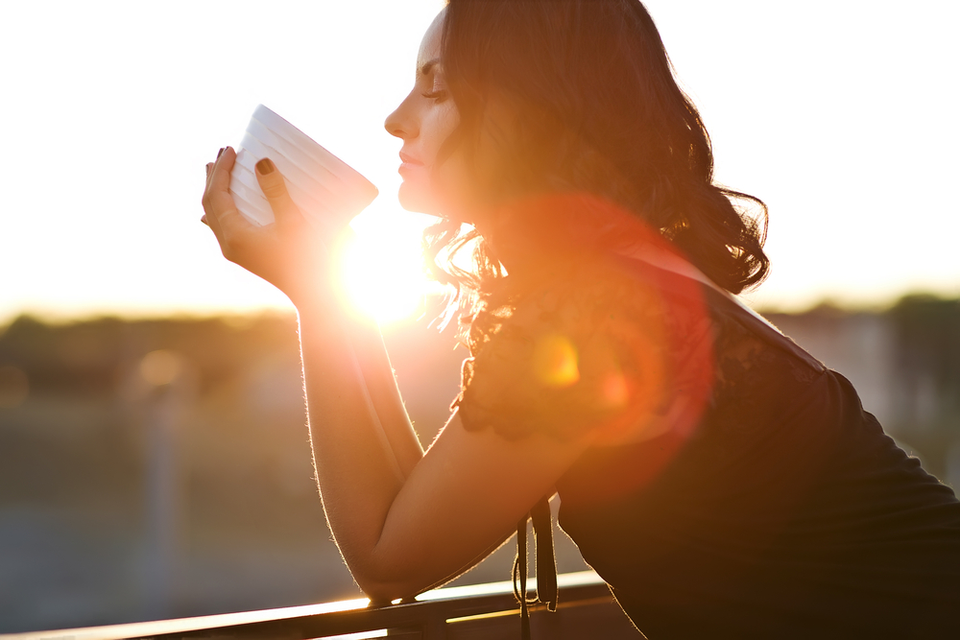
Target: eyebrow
[{"x": 427, "y": 67}]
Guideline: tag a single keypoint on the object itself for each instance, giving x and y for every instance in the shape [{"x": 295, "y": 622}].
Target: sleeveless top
[{"x": 737, "y": 487}]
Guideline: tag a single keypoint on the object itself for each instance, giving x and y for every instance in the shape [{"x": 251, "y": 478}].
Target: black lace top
[{"x": 738, "y": 488}]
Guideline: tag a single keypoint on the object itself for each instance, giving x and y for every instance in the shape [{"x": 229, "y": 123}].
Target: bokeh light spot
[
  {"x": 555, "y": 361},
  {"x": 614, "y": 390},
  {"x": 14, "y": 386},
  {"x": 161, "y": 367}
]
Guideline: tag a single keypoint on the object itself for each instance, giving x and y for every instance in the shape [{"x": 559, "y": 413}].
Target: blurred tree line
[
  {"x": 161, "y": 468},
  {"x": 928, "y": 339}
]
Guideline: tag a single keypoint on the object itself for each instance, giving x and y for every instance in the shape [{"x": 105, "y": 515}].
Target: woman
[{"x": 722, "y": 480}]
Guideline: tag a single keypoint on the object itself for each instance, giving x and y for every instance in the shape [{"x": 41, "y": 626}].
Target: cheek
[
  {"x": 436, "y": 127},
  {"x": 447, "y": 177}
]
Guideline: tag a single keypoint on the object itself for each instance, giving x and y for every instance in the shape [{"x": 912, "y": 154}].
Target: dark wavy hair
[{"x": 593, "y": 106}]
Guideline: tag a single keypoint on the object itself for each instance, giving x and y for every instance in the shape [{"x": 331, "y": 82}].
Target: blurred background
[{"x": 153, "y": 455}]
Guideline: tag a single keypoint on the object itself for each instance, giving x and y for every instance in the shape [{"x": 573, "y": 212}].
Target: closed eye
[{"x": 436, "y": 96}]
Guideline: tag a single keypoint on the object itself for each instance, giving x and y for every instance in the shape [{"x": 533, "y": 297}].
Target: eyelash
[{"x": 436, "y": 96}]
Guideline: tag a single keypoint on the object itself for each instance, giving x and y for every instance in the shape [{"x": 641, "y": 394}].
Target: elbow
[
  {"x": 383, "y": 592},
  {"x": 388, "y": 572},
  {"x": 385, "y": 584}
]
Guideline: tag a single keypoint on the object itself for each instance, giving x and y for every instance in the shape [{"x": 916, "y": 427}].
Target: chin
[{"x": 418, "y": 200}]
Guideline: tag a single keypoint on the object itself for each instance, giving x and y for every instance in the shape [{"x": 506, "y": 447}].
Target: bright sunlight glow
[{"x": 382, "y": 265}]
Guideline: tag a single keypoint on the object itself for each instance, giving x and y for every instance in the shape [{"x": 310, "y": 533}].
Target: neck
[{"x": 549, "y": 232}]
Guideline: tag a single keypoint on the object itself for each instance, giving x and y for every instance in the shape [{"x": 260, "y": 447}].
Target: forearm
[
  {"x": 363, "y": 443},
  {"x": 381, "y": 383}
]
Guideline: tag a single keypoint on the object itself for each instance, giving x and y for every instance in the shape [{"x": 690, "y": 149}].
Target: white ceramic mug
[{"x": 327, "y": 190}]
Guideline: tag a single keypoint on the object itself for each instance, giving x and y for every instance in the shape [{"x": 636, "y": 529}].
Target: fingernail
[
  {"x": 220, "y": 153},
  {"x": 203, "y": 219},
  {"x": 265, "y": 167}
]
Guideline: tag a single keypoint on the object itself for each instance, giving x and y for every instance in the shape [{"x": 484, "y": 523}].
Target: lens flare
[
  {"x": 614, "y": 391},
  {"x": 632, "y": 360},
  {"x": 555, "y": 361}
]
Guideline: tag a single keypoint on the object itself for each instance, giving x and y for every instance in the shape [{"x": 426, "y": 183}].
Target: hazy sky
[{"x": 838, "y": 113}]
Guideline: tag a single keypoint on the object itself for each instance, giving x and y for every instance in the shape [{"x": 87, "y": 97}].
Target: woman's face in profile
[{"x": 424, "y": 120}]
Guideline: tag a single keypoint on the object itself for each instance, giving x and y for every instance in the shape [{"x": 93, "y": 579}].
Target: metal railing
[{"x": 488, "y": 612}]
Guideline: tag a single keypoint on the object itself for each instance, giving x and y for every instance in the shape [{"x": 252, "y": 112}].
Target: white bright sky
[{"x": 840, "y": 114}]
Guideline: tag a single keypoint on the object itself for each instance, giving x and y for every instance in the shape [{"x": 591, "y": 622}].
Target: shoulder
[{"x": 604, "y": 346}]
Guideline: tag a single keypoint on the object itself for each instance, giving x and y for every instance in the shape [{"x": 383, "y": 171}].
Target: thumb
[{"x": 271, "y": 182}]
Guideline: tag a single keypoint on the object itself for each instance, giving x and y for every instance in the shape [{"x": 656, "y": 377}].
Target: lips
[{"x": 408, "y": 162}]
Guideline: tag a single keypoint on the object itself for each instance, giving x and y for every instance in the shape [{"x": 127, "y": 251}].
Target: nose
[{"x": 401, "y": 122}]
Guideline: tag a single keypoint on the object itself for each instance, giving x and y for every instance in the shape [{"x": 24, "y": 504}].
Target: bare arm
[
  {"x": 364, "y": 337},
  {"x": 404, "y": 520}
]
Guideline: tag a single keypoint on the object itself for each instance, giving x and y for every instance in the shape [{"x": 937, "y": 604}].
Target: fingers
[
  {"x": 288, "y": 253},
  {"x": 220, "y": 211},
  {"x": 203, "y": 218},
  {"x": 219, "y": 177},
  {"x": 285, "y": 211},
  {"x": 210, "y": 165}
]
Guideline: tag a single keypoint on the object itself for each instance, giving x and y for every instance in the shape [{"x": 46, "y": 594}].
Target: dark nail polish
[
  {"x": 220, "y": 153},
  {"x": 265, "y": 167}
]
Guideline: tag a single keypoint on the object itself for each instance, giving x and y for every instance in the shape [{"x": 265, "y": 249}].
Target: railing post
[{"x": 435, "y": 628}]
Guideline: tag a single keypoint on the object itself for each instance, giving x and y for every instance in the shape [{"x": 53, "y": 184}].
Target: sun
[{"x": 382, "y": 267}]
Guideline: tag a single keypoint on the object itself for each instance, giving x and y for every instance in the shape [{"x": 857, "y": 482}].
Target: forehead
[{"x": 430, "y": 45}]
